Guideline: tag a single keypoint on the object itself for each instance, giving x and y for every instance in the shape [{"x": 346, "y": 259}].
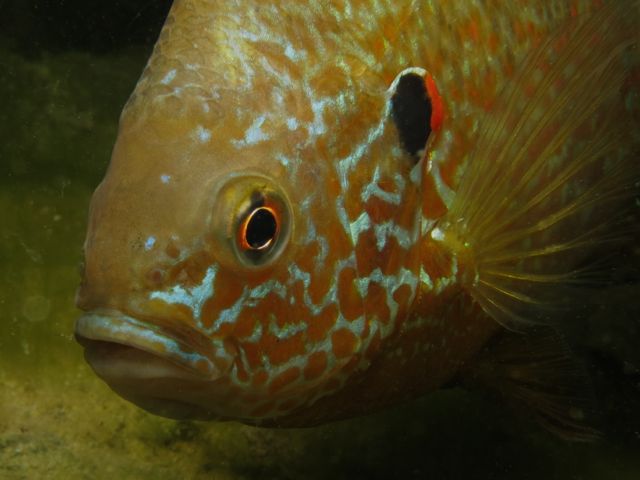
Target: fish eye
[
  {"x": 259, "y": 229},
  {"x": 251, "y": 221}
]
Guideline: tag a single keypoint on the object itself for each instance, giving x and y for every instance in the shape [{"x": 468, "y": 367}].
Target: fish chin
[
  {"x": 147, "y": 368},
  {"x": 145, "y": 379}
]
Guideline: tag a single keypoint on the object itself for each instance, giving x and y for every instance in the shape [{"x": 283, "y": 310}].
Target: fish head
[{"x": 252, "y": 243}]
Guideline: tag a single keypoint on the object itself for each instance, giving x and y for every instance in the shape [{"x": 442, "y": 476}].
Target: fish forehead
[
  {"x": 261, "y": 82},
  {"x": 210, "y": 47}
]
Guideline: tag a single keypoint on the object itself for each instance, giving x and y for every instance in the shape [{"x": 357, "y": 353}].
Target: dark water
[{"x": 67, "y": 68}]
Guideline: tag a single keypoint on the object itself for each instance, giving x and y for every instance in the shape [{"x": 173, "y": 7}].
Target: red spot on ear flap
[{"x": 437, "y": 106}]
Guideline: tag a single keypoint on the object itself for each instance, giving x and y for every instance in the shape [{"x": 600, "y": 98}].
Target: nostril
[{"x": 155, "y": 277}]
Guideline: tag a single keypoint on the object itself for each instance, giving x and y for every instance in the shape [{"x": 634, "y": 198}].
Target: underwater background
[{"x": 66, "y": 69}]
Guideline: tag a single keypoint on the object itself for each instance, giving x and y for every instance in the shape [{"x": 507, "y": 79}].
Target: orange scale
[
  {"x": 394, "y": 256},
  {"x": 172, "y": 250},
  {"x": 253, "y": 353},
  {"x": 192, "y": 270},
  {"x": 299, "y": 314},
  {"x": 407, "y": 219},
  {"x": 320, "y": 284},
  {"x": 389, "y": 28},
  {"x": 226, "y": 292},
  {"x": 280, "y": 351},
  {"x": 343, "y": 150},
  {"x": 532, "y": 30},
  {"x": 358, "y": 120},
  {"x": 243, "y": 376},
  {"x": 296, "y": 104},
  {"x": 284, "y": 379},
  {"x": 387, "y": 184},
  {"x": 349, "y": 297},
  {"x": 329, "y": 82},
  {"x": 159, "y": 309},
  {"x": 380, "y": 211},
  {"x": 297, "y": 310},
  {"x": 367, "y": 253},
  {"x": 319, "y": 326},
  {"x": 307, "y": 256},
  {"x": 154, "y": 278},
  {"x": 339, "y": 243},
  {"x": 199, "y": 264},
  {"x": 376, "y": 302},
  {"x": 456, "y": 93},
  {"x": 202, "y": 366},
  {"x": 225, "y": 330},
  {"x": 518, "y": 30},
  {"x": 209, "y": 312},
  {"x": 432, "y": 205},
  {"x": 473, "y": 31},
  {"x": 276, "y": 308},
  {"x": 321, "y": 148},
  {"x": 493, "y": 43},
  {"x": 352, "y": 202},
  {"x": 437, "y": 262},
  {"x": 176, "y": 274},
  {"x": 259, "y": 379},
  {"x": 402, "y": 296},
  {"x": 245, "y": 324},
  {"x": 275, "y": 57},
  {"x": 257, "y": 278},
  {"x": 316, "y": 365},
  {"x": 378, "y": 47},
  {"x": 344, "y": 343}
]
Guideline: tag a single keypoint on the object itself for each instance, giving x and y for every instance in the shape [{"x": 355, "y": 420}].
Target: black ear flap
[{"x": 413, "y": 109}]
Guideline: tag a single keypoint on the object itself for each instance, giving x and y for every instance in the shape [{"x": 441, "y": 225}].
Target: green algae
[{"x": 59, "y": 421}]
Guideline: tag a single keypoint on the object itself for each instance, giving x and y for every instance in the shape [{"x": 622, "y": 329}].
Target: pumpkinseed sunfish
[{"x": 316, "y": 210}]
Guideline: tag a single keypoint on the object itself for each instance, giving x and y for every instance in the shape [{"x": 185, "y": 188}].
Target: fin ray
[
  {"x": 554, "y": 173},
  {"x": 537, "y": 373}
]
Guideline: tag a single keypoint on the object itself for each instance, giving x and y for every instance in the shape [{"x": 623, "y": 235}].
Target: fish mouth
[
  {"x": 122, "y": 348},
  {"x": 158, "y": 370}
]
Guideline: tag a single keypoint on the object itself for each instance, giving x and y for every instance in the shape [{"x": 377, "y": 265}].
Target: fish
[{"x": 313, "y": 212}]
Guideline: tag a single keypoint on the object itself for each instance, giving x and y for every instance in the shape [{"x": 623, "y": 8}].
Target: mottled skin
[{"x": 361, "y": 307}]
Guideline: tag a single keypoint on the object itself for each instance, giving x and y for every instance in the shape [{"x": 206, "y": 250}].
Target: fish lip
[{"x": 113, "y": 333}]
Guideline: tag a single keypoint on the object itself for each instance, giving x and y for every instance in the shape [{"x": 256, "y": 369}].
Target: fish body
[{"x": 267, "y": 247}]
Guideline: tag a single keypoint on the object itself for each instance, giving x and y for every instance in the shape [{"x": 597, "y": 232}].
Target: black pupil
[{"x": 261, "y": 228}]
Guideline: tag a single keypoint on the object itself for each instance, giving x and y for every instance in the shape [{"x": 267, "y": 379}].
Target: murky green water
[{"x": 61, "y": 96}]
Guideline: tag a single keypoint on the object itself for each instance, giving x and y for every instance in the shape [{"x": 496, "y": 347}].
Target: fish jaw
[{"x": 150, "y": 367}]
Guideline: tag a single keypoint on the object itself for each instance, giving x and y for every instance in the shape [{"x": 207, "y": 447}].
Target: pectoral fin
[{"x": 536, "y": 372}]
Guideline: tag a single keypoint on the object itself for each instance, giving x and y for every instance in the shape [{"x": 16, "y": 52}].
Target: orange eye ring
[{"x": 259, "y": 229}]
